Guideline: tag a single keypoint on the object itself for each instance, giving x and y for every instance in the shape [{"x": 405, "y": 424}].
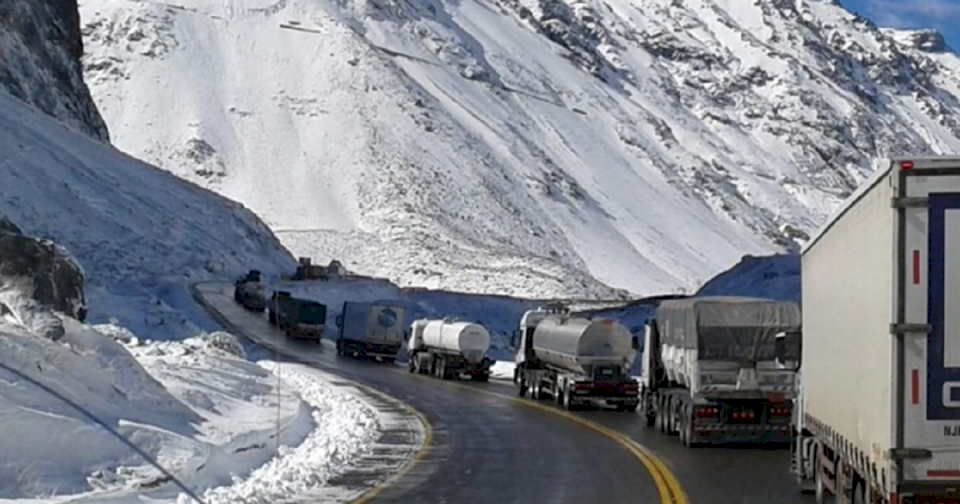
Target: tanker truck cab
[{"x": 522, "y": 341}]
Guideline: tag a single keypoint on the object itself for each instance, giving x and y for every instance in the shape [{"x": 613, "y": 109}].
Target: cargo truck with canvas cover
[
  {"x": 297, "y": 318},
  {"x": 449, "y": 348},
  {"x": 575, "y": 360},
  {"x": 719, "y": 368},
  {"x": 880, "y": 395},
  {"x": 370, "y": 330}
]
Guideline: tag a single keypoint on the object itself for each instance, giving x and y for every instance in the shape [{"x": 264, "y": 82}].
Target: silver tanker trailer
[
  {"x": 448, "y": 348},
  {"x": 575, "y": 360}
]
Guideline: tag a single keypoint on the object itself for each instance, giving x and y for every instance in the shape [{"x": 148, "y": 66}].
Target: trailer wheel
[
  {"x": 522, "y": 387},
  {"x": 658, "y": 414},
  {"x": 689, "y": 436},
  {"x": 820, "y": 493},
  {"x": 411, "y": 364},
  {"x": 482, "y": 377},
  {"x": 567, "y": 400},
  {"x": 860, "y": 492}
]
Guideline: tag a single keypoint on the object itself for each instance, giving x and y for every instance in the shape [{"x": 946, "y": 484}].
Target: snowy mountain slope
[
  {"x": 528, "y": 147},
  {"x": 40, "y": 49},
  {"x": 140, "y": 234}
]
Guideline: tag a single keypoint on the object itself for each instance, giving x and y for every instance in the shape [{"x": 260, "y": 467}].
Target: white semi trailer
[
  {"x": 575, "y": 360},
  {"x": 716, "y": 369},
  {"x": 449, "y": 348},
  {"x": 879, "y": 405}
]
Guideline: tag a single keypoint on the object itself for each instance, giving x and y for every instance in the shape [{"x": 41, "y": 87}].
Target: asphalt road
[
  {"x": 490, "y": 447},
  {"x": 485, "y": 448},
  {"x": 731, "y": 474}
]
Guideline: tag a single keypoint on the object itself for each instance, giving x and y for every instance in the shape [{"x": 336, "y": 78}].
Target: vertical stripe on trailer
[
  {"x": 915, "y": 386},
  {"x": 916, "y": 267}
]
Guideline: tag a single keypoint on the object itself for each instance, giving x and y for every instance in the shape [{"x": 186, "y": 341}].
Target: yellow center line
[
  {"x": 417, "y": 457},
  {"x": 667, "y": 485}
]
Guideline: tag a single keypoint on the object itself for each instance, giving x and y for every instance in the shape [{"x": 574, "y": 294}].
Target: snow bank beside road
[{"x": 207, "y": 415}]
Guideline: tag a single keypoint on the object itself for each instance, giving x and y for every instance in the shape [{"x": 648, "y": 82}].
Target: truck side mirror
[
  {"x": 635, "y": 342},
  {"x": 339, "y": 320},
  {"x": 406, "y": 335},
  {"x": 786, "y": 347},
  {"x": 514, "y": 343}
]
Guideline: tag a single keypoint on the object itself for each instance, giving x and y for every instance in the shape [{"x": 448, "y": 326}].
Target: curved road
[
  {"x": 484, "y": 449},
  {"x": 490, "y": 447}
]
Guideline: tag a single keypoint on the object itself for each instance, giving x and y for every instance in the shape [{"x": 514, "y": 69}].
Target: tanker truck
[
  {"x": 448, "y": 348},
  {"x": 575, "y": 360},
  {"x": 717, "y": 369}
]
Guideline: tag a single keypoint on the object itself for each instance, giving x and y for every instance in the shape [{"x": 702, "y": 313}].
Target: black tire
[
  {"x": 482, "y": 377},
  {"x": 568, "y": 400}
]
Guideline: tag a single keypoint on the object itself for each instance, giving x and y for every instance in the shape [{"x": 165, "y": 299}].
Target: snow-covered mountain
[
  {"x": 528, "y": 147},
  {"x": 139, "y": 233}
]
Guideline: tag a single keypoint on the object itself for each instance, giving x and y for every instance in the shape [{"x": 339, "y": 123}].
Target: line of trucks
[{"x": 863, "y": 381}]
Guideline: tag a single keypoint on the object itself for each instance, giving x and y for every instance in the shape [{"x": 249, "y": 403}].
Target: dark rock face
[
  {"x": 40, "y": 50},
  {"x": 41, "y": 271}
]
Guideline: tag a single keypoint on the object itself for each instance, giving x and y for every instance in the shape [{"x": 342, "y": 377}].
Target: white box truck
[
  {"x": 370, "y": 330},
  {"x": 878, "y": 418}
]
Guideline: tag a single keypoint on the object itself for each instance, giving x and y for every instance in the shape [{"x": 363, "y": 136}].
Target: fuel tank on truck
[
  {"x": 469, "y": 339},
  {"x": 580, "y": 344}
]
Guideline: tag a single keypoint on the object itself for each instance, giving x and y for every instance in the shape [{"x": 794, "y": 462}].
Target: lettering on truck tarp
[
  {"x": 951, "y": 430},
  {"x": 943, "y": 381}
]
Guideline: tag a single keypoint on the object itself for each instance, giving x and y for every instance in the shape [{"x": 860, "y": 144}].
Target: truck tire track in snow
[{"x": 376, "y": 454}]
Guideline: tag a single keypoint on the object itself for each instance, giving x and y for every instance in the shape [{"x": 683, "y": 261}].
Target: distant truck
[
  {"x": 717, "y": 369},
  {"x": 880, "y": 395},
  {"x": 370, "y": 330},
  {"x": 248, "y": 290},
  {"x": 575, "y": 360},
  {"x": 448, "y": 348},
  {"x": 298, "y": 318}
]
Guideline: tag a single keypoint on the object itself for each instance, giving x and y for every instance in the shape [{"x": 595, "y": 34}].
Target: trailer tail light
[
  {"x": 581, "y": 386},
  {"x": 707, "y": 412},
  {"x": 631, "y": 387},
  {"x": 780, "y": 411},
  {"x": 906, "y": 165},
  {"x": 743, "y": 415}
]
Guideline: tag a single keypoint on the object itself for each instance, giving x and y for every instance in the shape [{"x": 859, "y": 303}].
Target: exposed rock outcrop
[
  {"x": 37, "y": 278},
  {"x": 40, "y": 50}
]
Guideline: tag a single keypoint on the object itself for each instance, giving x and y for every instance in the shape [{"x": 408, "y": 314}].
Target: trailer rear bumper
[
  {"x": 745, "y": 433},
  {"x": 369, "y": 349}
]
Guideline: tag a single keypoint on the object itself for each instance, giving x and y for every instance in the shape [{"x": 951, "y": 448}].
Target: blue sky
[{"x": 943, "y": 15}]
